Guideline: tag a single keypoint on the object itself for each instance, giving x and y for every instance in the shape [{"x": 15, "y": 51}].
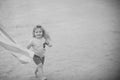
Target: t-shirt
[{"x": 37, "y": 46}]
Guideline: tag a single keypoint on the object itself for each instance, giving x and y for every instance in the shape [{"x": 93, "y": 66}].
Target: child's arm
[
  {"x": 29, "y": 45},
  {"x": 47, "y": 43}
]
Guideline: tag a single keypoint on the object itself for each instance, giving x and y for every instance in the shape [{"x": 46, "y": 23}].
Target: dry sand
[{"x": 85, "y": 36}]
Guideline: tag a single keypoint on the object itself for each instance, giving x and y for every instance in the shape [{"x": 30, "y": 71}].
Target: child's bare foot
[
  {"x": 44, "y": 78},
  {"x": 36, "y": 74}
]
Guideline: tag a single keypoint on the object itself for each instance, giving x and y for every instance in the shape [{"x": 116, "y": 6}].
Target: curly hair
[{"x": 45, "y": 34}]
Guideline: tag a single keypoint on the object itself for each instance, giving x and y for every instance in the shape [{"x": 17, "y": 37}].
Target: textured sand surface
[{"x": 85, "y": 36}]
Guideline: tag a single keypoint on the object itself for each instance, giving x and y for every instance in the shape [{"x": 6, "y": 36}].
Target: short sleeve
[{"x": 30, "y": 44}]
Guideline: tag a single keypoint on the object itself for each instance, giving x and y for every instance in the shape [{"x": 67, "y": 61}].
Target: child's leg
[
  {"x": 37, "y": 61},
  {"x": 36, "y": 71},
  {"x": 40, "y": 70},
  {"x": 43, "y": 76}
]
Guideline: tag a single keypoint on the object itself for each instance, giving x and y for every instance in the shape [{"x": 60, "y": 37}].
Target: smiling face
[{"x": 38, "y": 33}]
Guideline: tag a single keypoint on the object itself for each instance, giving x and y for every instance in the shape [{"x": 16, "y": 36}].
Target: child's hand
[{"x": 50, "y": 45}]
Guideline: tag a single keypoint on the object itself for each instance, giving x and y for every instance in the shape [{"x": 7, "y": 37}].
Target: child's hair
[{"x": 45, "y": 34}]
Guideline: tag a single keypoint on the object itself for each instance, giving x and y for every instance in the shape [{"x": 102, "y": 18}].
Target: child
[{"x": 38, "y": 43}]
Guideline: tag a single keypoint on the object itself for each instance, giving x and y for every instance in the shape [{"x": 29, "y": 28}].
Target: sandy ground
[{"x": 85, "y": 37}]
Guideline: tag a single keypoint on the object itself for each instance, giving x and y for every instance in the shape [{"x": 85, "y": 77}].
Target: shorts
[{"x": 38, "y": 59}]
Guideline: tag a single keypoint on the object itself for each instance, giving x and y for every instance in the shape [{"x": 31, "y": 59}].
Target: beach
[{"x": 85, "y": 35}]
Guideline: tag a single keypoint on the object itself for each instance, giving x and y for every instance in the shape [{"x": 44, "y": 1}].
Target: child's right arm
[{"x": 29, "y": 45}]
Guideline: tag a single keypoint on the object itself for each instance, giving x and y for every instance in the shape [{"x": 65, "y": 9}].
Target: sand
[{"x": 84, "y": 33}]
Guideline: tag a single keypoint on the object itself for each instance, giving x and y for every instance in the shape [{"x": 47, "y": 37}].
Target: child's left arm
[{"x": 47, "y": 43}]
